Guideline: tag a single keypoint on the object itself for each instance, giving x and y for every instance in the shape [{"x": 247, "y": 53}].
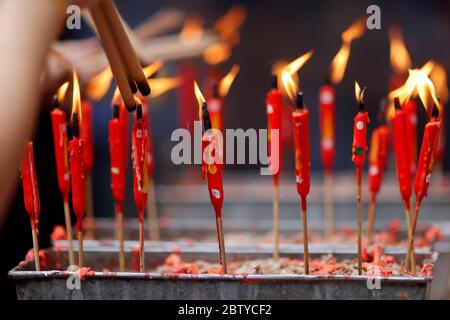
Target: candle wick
[
  {"x": 299, "y": 100},
  {"x": 206, "y": 118},
  {"x": 116, "y": 111},
  {"x": 74, "y": 125},
  {"x": 139, "y": 112}
]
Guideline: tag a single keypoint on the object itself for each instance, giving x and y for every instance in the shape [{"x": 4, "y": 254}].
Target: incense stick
[
  {"x": 305, "y": 236},
  {"x": 89, "y": 207},
  {"x": 359, "y": 212},
  {"x": 411, "y": 250},
  {"x": 371, "y": 218},
  {"x": 119, "y": 230},
  {"x": 411, "y": 256},
  {"x": 276, "y": 222},
  {"x": 69, "y": 235},
  {"x": 152, "y": 212},
  {"x": 37, "y": 260},
  {"x": 118, "y": 67},
  {"x": 329, "y": 199},
  {"x": 141, "y": 247},
  {"x": 125, "y": 47},
  {"x": 80, "y": 249},
  {"x": 220, "y": 236}
]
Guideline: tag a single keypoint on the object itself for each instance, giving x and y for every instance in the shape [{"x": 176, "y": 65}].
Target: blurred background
[{"x": 272, "y": 31}]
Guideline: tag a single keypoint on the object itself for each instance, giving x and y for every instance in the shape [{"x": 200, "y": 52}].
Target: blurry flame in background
[
  {"x": 227, "y": 27},
  {"x": 99, "y": 85},
  {"x": 76, "y": 98},
  {"x": 339, "y": 63},
  {"x": 200, "y": 99},
  {"x": 289, "y": 84},
  {"x": 152, "y": 68},
  {"x": 439, "y": 77},
  {"x": 217, "y": 53},
  {"x": 162, "y": 85},
  {"x": 227, "y": 81},
  {"x": 192, "y": 30},
  {"x": 61, "y": 93},
  {"x": 400, "y": 60}
]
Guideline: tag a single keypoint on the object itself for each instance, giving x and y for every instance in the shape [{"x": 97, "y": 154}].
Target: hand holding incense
[
  {"x": 359, "y": 149},
  {"x": 31, "y": 197}
]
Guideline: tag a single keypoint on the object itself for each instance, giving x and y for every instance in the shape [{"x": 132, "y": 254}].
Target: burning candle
[
  {"x": 212, "y": 167},
  {"x": 424, "y": 169},
  {"x": 327, "y": 117},
  {"x": 31, "y": 197},
  {"x": 377, "y": 163},
  {"x": 59, "y": 126},
  {"x": 139, "y": 141},
  {"x": 359, "y": 149},
  {"x": 410, "y": 108},
  {"x": 77, "y": 170},
  {"x": 117, "y": 149}
]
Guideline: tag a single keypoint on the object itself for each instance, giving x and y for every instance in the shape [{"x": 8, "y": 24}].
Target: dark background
[{"x": 273, "y": 30}]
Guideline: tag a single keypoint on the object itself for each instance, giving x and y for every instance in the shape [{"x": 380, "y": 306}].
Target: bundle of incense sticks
[{"x": 124, "y": 63}]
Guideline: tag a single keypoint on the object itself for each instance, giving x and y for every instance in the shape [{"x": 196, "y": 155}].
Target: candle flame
[
  {"x": 289, "y": 84},
  {"x": 99, "y": 85},
  {"x": 357, "y": 92},
  {"x": 200, "y": 99},
  {"x": 192, "y": 30},
  {"x": 162, "y": 85},
  {"x": 152, "y": 68},
  {"x": 439, "y": 78},
  {"x": 339, "y": 62},
  {"x": 294, "y": 66},
  {"x": 76, "y": 98},
  {"x": 117, "y": 98},
  {"x": 400, "y": 59},
  {"x": 227, "y": 27},
  {"x": 61, "y": 93},
  {"x": 227, "y": 81},
  {"x": 217, "y": 53}
]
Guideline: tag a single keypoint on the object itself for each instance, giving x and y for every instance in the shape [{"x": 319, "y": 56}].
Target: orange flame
[
  {"x": 152, "y": 68},
  {"x": 289, "y": 84},
  {"x": 76, "y": 98},
  {"x": 61, "y": 93},
  {"x": 439, "y": 78},
  {"x": 192, "y": 30},
  {"x": 295, "y": 65},
  {"x": 217, "y": 53},
  {"x": 117, "y": 98},
  {"x": 227, "y": 27},
  {"x": 99, "y": 85},
  {"x": 227, "y": 81},
  {"x": 357, "y": 92},
  {"x": 162, "y": 85},
  {"x": 339, "y": 63},
  {"x": 400, "y": 60},
  {"x": 200, "y": 99}
]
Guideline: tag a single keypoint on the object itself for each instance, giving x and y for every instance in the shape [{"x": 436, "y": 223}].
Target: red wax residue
[
  {"x": 85, "y": 272},
  {"x": 42, "y": 258},
  {"x": 58, "y": 233}
]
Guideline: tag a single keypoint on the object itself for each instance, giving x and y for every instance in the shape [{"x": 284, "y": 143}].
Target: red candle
[
  {"x": 87, "y": 134},
  {"x": 215, "y": 106},
  {"x": 300, "y": 124},
  {"x": 59, "y": 126},
  {"x": 377, "y": 158},
  {"x": 327, "y": 105},
  {"x": 410, "y": 108},
  {"x": 402, "y": 154},
  {"x": 150, "y": 154},
  {"x": 117, "y": 149},
  {"x": 30, "y": 186},
  {"x": 425, "y": 166},
  {"x": 77, "y": 172},
  {"x": 273, "y": 109}
]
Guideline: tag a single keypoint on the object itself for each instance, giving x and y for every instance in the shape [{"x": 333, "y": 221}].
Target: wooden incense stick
[
  {"x": 118, "y": 67},
  {"x": 89, "y": 207},
  {"x": 276, "y": 222},
  {"x": 80, "y": 249},
  {"x": 141, "y": 247},
  {"x": 37, "y": 260},
  {"x": 411, "y": 250},
  {"x": 329, "y": 199},
  {"x": 371, "y": 218},
  {"x": 124, "y": 45},
  {"x": 305, "y": 236},
  {"x": 152, "y": 212},
  {"x": 119, "y": 231},
  {"x": 411, "y": 258},
  {"x": 69, "y": 234},
  {"x": 220, "y": 236},
  {"x": 359, "y": 212}
]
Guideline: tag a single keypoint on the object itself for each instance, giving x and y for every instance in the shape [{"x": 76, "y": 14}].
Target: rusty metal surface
[{"x": 131, "y": 285}]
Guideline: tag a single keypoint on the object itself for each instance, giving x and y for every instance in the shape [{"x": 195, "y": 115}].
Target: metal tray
[{"x": 131, "y": 285}]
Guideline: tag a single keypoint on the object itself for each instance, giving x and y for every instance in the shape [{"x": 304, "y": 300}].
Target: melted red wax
[
  {"x": 135, "y": 258},
  {"x": 42, "y": 257},
  {"x": 58, "y": 233},
  {"x": 427, "y": 270},
  {"x": 85, "y": 272}
]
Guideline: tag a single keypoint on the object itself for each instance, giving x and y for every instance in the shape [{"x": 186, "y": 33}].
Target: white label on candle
[
  {"x": 327, "y": 144},
  {"x": 360, "y": 125},
  {"x": 269, "y": 108},
  {"x": 139, "y": 133},
  {"x": 115, "y": 170},
  {"x": 214, "y": 106},
  {"x": 298, "y": 180},
  {"x": 215, "y": 193},
  {"x": 373, "y": 170},
  {"x": 326, "y": 97}
]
